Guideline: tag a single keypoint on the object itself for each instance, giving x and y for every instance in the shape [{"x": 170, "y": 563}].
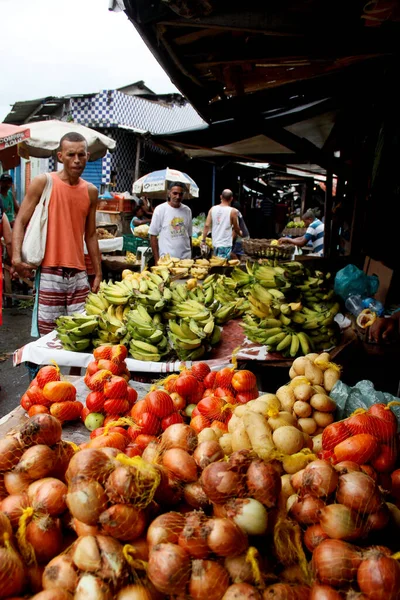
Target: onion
[
  {"x": 341, "y": 523},
  {"x": 152, "y": 452},
  {"x": 180, "y": 436},
  {"x": 3, "y": 491},
  {"x": 320, "y": 478},
  {"x": 193, "y": 537},
  {"x": 346, "y": 466},
  {"x": 60, "y": 573},
  {"x": 86, "y": 554},
  {"x": 12, "y": 506},
  {"x": 379, "y": 577},
  {"x": 169, "y": 491},
  {"x": 83, "y": 529},
  {"x": 297, "y": 480},
  {"x": 123, "y": 522},
  {"x": 169, "y": 568},
  {"x": 281, "y": 591},
  {"x": 306, "y": 511},
  {"x": 12, "y": 574},
  {"x": 195, "y": 496},
  {"x": 207, "y": 453},
  {"x": 64, "y": 452},
  {"x": 10, "y": 452},
  {"x": 209, "y": 580},
  {"x": 86, "y": 501},
  {"x": 324, "y": 592},
  {"x": 34, "y": 574},
  {"x": 263, "y": 483},
  {"x": 16, "y": 483},
  {"x": 335, "y": 563},
  {"x": 165, "y": 528},
  {"x": 48, "y": 495},
  {"x": 44, "y": 534},
  {"x": 134, "y": 592},
  {"x": 140, "y": 548},
  {"x": 239, "y": 569},
  {"x": 241, "y": 591},
  {"x": 379, "y": 519},
  {"x": 352, "y": 595},
  {"x": 226, "y": 538},
  {"x": 100, "y": 554},
  {"x": 220, "y": 483},
  {"x": 249, "y": 514},
  {"x": 36, "y": 462},
  {"x": 368, "y": 470},
  {"x": 5, "y": 527},
  {"x": 121, "y": 485},
  {"x": 359, "y": 492},
  {"x": 41, "y": 429},
  {"x": 240, "y": 460},
  {"x": 91, "y": 464},
  {"x": 91, "y": 587},
  {"x": 54, "y": 594},
  {"x": 180, "y": 464},
  {"x": 313, "y": 536}
]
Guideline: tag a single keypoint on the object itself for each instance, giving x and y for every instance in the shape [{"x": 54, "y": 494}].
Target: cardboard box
[{"x": 375, "y": 267}]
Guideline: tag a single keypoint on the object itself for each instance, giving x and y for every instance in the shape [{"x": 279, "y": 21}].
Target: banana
[
  {"x": 146, "y": 357},
  {"x": 111, "y": 315},
  {"x": 196, "y": 330},
  {"x": 304, "y": 342},
  {"x": 275, "y": 339},
  {"x": 92, "y": 310},
  {"x": 270, "y": 332},
  {"x": 294, "y": 346},
  {"x": 277, "y": 294},
  {"x": 285, "y": 343},
  {"x": 176, "y": 329},
  {"x": 261, "y": 294},
  {"x": 188, "y": 333},
  {"x": 209, "y": 327},
  {"x": 119, "y": 313},
  {"x": 96, "y": 300},
  {"x": 116, "y": 299},
  {"x": 284, "y": 319},
  {"x": 144, "y": 347},
  {"x": 298, "y": 318},
  {"x": 144, "y": 315}
]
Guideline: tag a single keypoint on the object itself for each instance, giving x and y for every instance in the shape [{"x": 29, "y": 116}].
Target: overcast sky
[{"x": 62, "y": 47}]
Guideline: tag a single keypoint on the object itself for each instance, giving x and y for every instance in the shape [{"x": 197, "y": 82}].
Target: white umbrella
[
  {"x": 45, "y": 139},
  {"x": 155, "y": 184}
]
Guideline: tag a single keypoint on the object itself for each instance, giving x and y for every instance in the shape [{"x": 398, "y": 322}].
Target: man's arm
[
  {"x": 235, "y": 221},
  {"x": 91, "y": 240},
  {"x": 207, "y": 225},
  {"x": 299, "y": 241},
  {"x": 25, "y": 212},
  {"x": 386, "y": 329},
  {"x": 5, "y": 223},
  {"x": 16, "y": 205},
  {"x": 154, "y": 247}
]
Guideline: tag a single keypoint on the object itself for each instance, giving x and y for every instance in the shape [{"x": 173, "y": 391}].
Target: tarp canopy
[{"x": 10, "y": 137}]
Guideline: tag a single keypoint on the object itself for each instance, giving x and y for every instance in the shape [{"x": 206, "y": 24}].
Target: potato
[
  {"x": 302, "y": 409},
  {"x": 312, "y": 356},
  {"x": 272, "y": 401},
  {"x": 288, "y": 440},
  {"x": 286, "y": 397},
  {"x": 299, "y": 365},
  {"x": 314, "y": 374},
  {"x": 317, "y": 443},
  {"x": 234, "y": 422},
  {"x": 284, "y": 418},
  {"x": 225, "y": 441},
  {"x": 240, "y": 410},
  {"x": 259, "y": 432},
  {"x": 322, "y": 403},
  {"x": 298, "y": 380},
  {"x": 292, "y": 373},
  {"x": 303, "y": 392},
  {"x": 331, "y": 377},
  {"x": 261, "y": 408},
  {"x": 307, "y": 425},
  {"x": 318, "y": 389},
  {"x": 240, "y": 440},
  {"x": 308, "y": 443},
  {"x": 322, "y": 419},
  {"x": 295, "y": 463},
  {"x": 322, "y": 361},
  {"x": 287, "y": 489},
  {"x": 207, "y": 435}
]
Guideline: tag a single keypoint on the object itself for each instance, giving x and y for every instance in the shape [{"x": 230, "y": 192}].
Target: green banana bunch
[
  {"x": 75, "y": 331},
  {"x": 96, "y": 304},
  {"x": 147, "y": 338}
]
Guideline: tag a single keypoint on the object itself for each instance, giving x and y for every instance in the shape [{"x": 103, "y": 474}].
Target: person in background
[
  {"x": 385, "y": 329},
  {"x": 171, "y": 226},
  {"x": 314, "y": 234},
  {"x": 5, "y": 233},
  {"x": 223, "y": 220},
  {"x": 139, "y": 217},
  {"x": 237, "y": 250},
  {"x": 7, "y": 196},
  {"x": 145, "y": 203},
  {"x": 62, "y": 280}
]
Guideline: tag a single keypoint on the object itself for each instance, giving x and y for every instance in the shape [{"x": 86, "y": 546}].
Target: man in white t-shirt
[
  {"x": 223, "y": 220},
  {"x": 171, "y": 226}
]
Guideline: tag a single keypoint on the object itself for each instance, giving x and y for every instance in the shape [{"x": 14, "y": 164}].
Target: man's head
[
  {"x": 176, "y": 192},
  {"x": 227, "y": 196},
  {"x": 73, "y": 153},
  {"x": 6, "y": 182},
  {"x": 308, "y": 217}
]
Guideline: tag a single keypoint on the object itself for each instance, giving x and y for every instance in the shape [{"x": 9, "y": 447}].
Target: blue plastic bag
[{"x": 351, "y": 280}]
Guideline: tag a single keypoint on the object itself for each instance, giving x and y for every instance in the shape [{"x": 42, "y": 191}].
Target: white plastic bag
[{"x": 34, "y": 244}]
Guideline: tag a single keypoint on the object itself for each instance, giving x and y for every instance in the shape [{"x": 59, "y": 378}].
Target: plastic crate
[{"x": 132, "y": 243}]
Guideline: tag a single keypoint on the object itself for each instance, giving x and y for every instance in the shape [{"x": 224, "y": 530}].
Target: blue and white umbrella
[{"x": 156, "y": 184}]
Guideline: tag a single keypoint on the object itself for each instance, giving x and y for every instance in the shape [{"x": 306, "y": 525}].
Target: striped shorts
[{"x": 62, "y": 291}]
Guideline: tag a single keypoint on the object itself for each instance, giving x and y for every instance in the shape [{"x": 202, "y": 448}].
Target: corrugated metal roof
[{"x": 30, "y": 111}]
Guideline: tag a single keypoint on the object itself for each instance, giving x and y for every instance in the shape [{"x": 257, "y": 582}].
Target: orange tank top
[{"x": 68, "y": 209}]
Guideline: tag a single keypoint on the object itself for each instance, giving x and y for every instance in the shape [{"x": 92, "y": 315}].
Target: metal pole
[
  {"x": 137, "y": 161},
  {"x": 328, "y": 214},
  {"x": 214, "y": 173}
]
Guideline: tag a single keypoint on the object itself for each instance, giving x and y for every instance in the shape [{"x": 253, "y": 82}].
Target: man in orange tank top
[{"x": 63, "y": 284}]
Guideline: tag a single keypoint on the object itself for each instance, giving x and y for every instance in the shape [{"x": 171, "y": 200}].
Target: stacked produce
[
  {"x": 295, "y": 224},
  {"x": 197, "y": 268},
  {"x": 75, "y": 332},
  {"x": 147, "y": 338}
]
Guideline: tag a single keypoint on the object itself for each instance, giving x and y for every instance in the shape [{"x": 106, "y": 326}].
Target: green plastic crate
[{"x": 132, "y": 243}]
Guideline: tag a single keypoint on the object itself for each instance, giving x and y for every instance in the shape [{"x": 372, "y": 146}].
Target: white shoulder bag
[{"x": 34, "y": 244}]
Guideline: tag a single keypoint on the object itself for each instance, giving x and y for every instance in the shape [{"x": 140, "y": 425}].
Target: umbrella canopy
[
  {"x": 45, "y": 138},
  {"x": 10, "y": 136},
  {"x": 155, "y": 184}
]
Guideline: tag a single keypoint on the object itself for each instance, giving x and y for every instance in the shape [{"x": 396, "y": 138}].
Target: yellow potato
[
  {"x": 207, "y": 435},
  {"x": 307, "y": 425},
  {"x": 292, "y": 373},
  {"x": 303, "y": 392},
  {"x": 323, "y": 403},
  {"x": 295, "y": 463},
  {"x": 314, "y": 374},
  {"x": 260, "y": 407},
  {"x": 322, "y": 360},
  {"x": 225, "y": 442},
  {"x": 259, "y": 432},
  {"x": 272, "y": 401},
  {"x": 240, "y": 440},
  {"x": 234, "y": 422},
  {"x": 284, "y": 418},
  {"x": 308, "y": 443},
  {"x": 286, "y": 397},
  {"x": 331, "y": 377},
  {"x": 287, "y": 489},
  {"x": 318, "y": 389},
  {"x": 299, "y": 365},
  {"x": 302, "y": 409},
  {"x": 312, "y": 356},
  {"x": 240, "y": 410},
  {"x": 322, "y": 419},
  {"x": 317, "y": 443},
  {"x": 288, "y": 440}
]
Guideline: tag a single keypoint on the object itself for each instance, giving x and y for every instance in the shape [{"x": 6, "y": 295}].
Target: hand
[
  {"x": 383, "y": 330},
  {"x": 96, "y": 283},
  {"x": 21, "y": 269},
  {"x": 283, "y": 240}
]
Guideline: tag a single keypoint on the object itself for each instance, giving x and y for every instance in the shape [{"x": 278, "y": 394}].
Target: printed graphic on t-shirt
[{"x": 177, "y": 227}]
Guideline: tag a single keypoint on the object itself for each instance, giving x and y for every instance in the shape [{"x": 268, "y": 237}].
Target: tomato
[
  {"x": 171, "y": 420},
  {"x": 219, "y": 426},
  {"x": 70, "y": 410},
  {"x": 169, "y": 383},
  {"x": 100, "y": 431},
  {"x": 200, "y": 370},
  {"x": 138, "y": 409},
  {"x": 116, "y": 406},
  {"x": 383, "y": 412},
  {"x": 37, "y": 409},
  {"x": 325, "y": 455},
  {"x": 224, "y": 377},
  {"x": 244, "y": 397},
  {"x": 95, "y": 401},
  {"x": 208, "y": 392},
  {"x": 92, "y": 368},
  {"x": 358, "y": 448},
  {"x": 244, "y": 381},
  {"x": 26, "y": 402},
  {"x": 110, "y": 440},
  {"x": 197, "y": 395},
  {"x": 149, "y": 424},
  {"x": 59, "y": 391},
  {"x": 85, "y": 412},
  {"x": 221, "y": 392},
  {"x": 195, "y": 412},
  {"x": 385, "y": 460},
  {"x": 102, "y": 352},
  {"x": 116, "y": 388},
  {"x": 144, "y": 439},
  {"x": 334, "y": 434},
  {"x": 209, "y": 380},
  {"x": 179, "y": 402},
  {"x": 35, "y": 394},
  {"x": 132, "y": 395},
  {"x": 133, "y": 450},
  {"x": 108, "y": 365},
  {"x": 395, "y": 477},
  {"x": 34, "y": 382},
  {"x": 159, "y": 403},
  {"x": 118, "y": 353},
  {"x": 46, "y": 374},
  {"x": 133, "y": 432},
  {"x": 112, "y": 418},
  {"x": 383, "y": 430},
  {"x": 212, "y": 408},
  {"x": 186, "y": 385},
  {"x": 199, "y": 423}
]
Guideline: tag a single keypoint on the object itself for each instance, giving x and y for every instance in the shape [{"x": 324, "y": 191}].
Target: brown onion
[
  {"x": 193, "y": 537},
  {"x": 121, "y": 485},
  {"x": 10, "y": 452},
  {"x": 306, "y": 511},
  {"x": 44, "y": 534},
  {"x": 379, "y": 519},
  {"x": 263, "y": 483},
  {"x": 368, "y": 470},
  {"x": 16, "y": 483},
  {"x": 335, "y": 563},
  {"x": 249, "y": 514},
  {"x": 195, "y": 496},
  {"x": 320, "y": 478},
  {"x": 134, "y": 592},
  {"x": 225, "y": 538},
  {"x": 346, "y": 466},
  {"x": 379, "y": 577},
  {"x": 12, "y": 506},
  {"x": 34, "y": 575},
  {"x": 54, "y": 594},
  {"x": 241, "y": 591},
  {"x": 152, "y": 452},
  {"x": 324, "y": 592},
  {"x": 359, "y": 492},
  {"x": 36, "y": 462},
  {"x": 280, "y": 591},
  {"x": 239, "y": 569},
  {"x": 180, "y": 436},
  {"x": 123, "y": 522},
  {"x": 113, "y": 563},
  {"x": 313, "y": 536},
  {"x": 165, "y": 528},
  {"x": 169, "y": 568},
  {"x": 220, "y": 483},
  {"x": 207, "y": 453},
  {"x": 169, "y": 491},
  {"x": 12, "y": 573},
  {"x": 86, "y": 501},
  {"x": 3, "y": 491},
  {"x": 86, "y": 554},
  {"x": 180, "y": 464},
  {"x": 297, "y": 480},
  {"x": 41, "y": 429},
  {"x": 60, "y": 572},
  {"x": 64, "y": 451},
  {"x": 208, "y": 581},
  {"x": 5, "y": 527},
  {"x": 140, "y": 549},
  {"x": 83, "y": 529},
  {"x": 92, "y": 587},
  {"x": 341, "y": 523},
  {"x": 91, "y": 464},
  {"x": 48, "y": 495}
]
